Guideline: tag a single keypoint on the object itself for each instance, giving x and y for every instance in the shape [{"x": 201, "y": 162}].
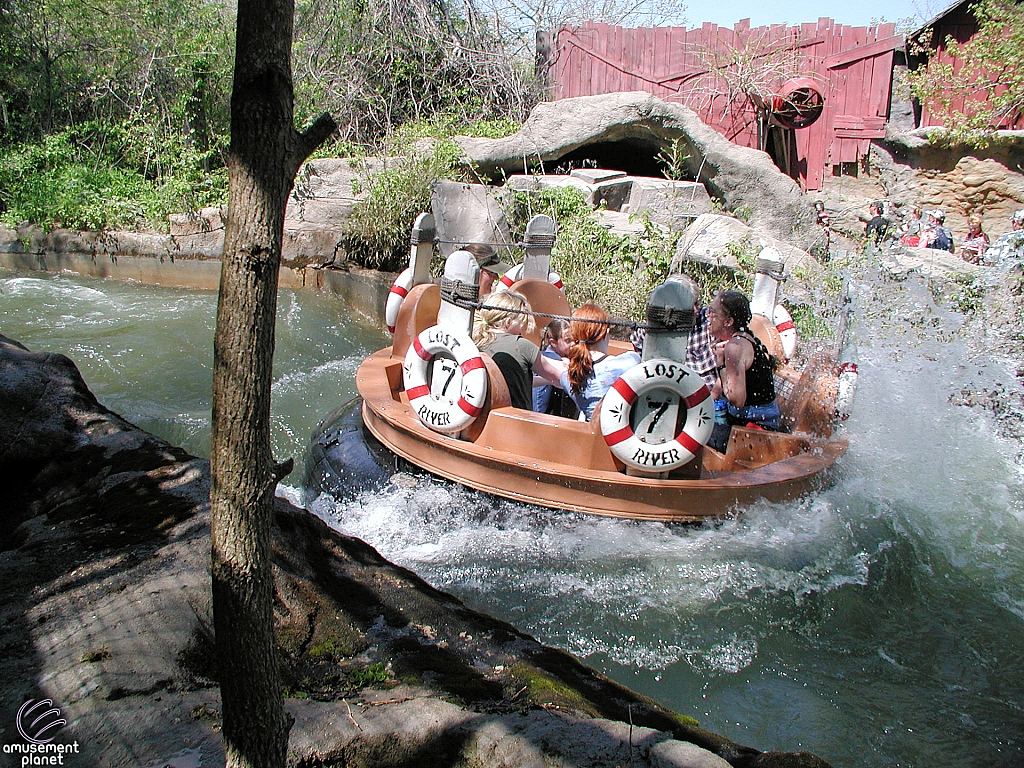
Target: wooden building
[
  {"x": 956, "y": 22},
  {"x": 813, "y": 96}
]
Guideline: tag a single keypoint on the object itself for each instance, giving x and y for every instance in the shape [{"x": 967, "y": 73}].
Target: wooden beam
[{"x": 864, "y": 51}]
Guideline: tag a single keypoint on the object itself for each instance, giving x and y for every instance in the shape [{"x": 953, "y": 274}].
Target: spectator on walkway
[{"x": 973, "y": 247}]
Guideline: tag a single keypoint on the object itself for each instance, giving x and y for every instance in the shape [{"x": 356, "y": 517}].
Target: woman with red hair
[{"x": 591, "y": 370}]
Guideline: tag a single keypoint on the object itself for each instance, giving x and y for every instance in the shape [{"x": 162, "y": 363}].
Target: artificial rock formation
[{"x": 740, "y": 177}]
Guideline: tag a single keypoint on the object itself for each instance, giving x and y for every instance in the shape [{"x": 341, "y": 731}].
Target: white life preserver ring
[
  {"x": 787, "y": 330},
  {"x": 512, "y": 276},
  {"x": 444, "y": 408},
  {"x": 617, "y": 409},
  {"x": 399, "y": 290}
]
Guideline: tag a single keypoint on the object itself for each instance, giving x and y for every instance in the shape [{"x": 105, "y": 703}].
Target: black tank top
[{"x": 760, "y": 377}]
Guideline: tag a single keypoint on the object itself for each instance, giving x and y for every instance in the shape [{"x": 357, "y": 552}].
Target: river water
[{"x": 878, "y": 623}]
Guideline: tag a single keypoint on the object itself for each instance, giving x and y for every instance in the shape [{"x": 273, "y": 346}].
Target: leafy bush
[
  {"x": 377, "y": 232},
  {"x": 64, "y": 180}
]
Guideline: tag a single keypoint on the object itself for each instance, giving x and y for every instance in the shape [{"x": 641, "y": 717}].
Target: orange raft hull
[{"x": 565, "y": 464}]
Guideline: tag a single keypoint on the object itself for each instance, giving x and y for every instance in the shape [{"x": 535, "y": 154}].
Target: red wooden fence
[{"x": 852, "y": 66}]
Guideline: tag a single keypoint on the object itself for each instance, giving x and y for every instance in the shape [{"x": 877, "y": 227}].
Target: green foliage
[
  {"x": 374, "y": 674},
  {"x": 444, "y": 125},
  {"x": 673, "y": 161},
  {"x": 113, "y": 113},
  {"x": 618, "y": 272},
  {"x": 967, "y": 295},
  {"x": 377, "y": 232},
  {"x": 80, "y": 179},
  {"x": 743, "y": 213},
  {"x": 745, "y": 252},
  {"x": 988, "y": 69},
  {"x": 142, "y": 92},
  {"x": 811, "y": 322}
]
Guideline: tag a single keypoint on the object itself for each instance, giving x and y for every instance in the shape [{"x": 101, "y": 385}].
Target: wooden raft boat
[{"x": 562, "y": 463}]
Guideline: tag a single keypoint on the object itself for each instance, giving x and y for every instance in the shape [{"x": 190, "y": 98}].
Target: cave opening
[{"x": 633, "y": 157}]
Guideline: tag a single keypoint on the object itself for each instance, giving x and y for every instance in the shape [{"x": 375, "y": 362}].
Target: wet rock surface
[{"x": 105, "y": 595}]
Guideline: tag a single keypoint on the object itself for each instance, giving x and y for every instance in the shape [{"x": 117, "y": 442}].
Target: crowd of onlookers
[{"x": 926, "y": 228}]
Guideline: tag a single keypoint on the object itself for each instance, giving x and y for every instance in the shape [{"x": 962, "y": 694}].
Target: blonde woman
[{"x": 498, "y": 329}]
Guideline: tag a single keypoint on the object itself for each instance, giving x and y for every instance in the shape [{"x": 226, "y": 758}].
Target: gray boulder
[
  {"x": 739, "y": 176},
  {"x": 467, "y": 213},
  {"x": 718, "y": 240}
]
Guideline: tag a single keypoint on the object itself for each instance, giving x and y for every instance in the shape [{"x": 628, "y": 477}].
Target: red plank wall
[
  {"x": 960, "y": 24},
  {"x": 853, "y": 66}
]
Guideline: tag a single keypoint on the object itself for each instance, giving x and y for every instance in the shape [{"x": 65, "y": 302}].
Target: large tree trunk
[{"x": 265, "y": 154}]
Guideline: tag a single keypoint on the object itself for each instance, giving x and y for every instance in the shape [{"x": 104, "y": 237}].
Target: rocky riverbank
[{"x": 104, "y": 556}]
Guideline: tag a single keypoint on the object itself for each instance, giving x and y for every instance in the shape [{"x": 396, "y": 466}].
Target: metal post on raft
[
  {"x": 460, "y": 288},
  {"x": 422, "y": 248},
  {"x": 769, "y": 269},
  {"x": 670, "y": 317},
  {"x": 539, "y": 239}
]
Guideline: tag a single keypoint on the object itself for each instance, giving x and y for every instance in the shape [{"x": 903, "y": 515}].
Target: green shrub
[
  {"x": 99, "y": 177},
  {"x": 376, "y": 234}
]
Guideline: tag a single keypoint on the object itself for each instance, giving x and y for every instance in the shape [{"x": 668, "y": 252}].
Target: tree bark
[{"x": 264, "y": 156}]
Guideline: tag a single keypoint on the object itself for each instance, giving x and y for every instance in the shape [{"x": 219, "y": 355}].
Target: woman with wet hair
[
  {"x": 745, "y": 369},
  {"x": 592, "y": 371},
  {"x": 497, "y": 330}
]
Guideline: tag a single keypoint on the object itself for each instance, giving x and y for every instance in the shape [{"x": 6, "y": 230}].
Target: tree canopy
[{"x": 115, "y": 113}]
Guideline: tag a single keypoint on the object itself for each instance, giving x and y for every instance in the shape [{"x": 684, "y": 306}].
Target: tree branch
[{"x": 310, "y": 139}]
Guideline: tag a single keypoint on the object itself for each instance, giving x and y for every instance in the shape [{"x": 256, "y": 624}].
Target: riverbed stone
[
  {"x": 719, "y": 240},
  {"x": 468, "y": 213},
  {"x": 667, "y": 202},
  {"x": 932, "y": 263}
]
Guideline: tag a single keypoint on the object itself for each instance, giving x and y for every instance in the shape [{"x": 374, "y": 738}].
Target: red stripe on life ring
[
  {"x": 507, "y": 281},
  {"x": 627, "y": 393},
  {"x": 420, "y": 350},
  {"x": 617, "y": 437},
  {"x": 399, "y": 290},
  {"x": 391, "y": 329},
  {"x": 417, "y": 392},
  {"x": 468, "y": 407},
  {"x": 688, "y": 443},
  {"x": 471, "y": 365},
  {"x": 848, "y": 368},
  {"x": 785, "y": 325},
  {"x": 697, "y": 397}
]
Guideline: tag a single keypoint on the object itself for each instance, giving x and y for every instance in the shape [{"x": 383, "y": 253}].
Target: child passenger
[
  {"x": 497, "y": 330},
  {"x": 555, "y": 341}
]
